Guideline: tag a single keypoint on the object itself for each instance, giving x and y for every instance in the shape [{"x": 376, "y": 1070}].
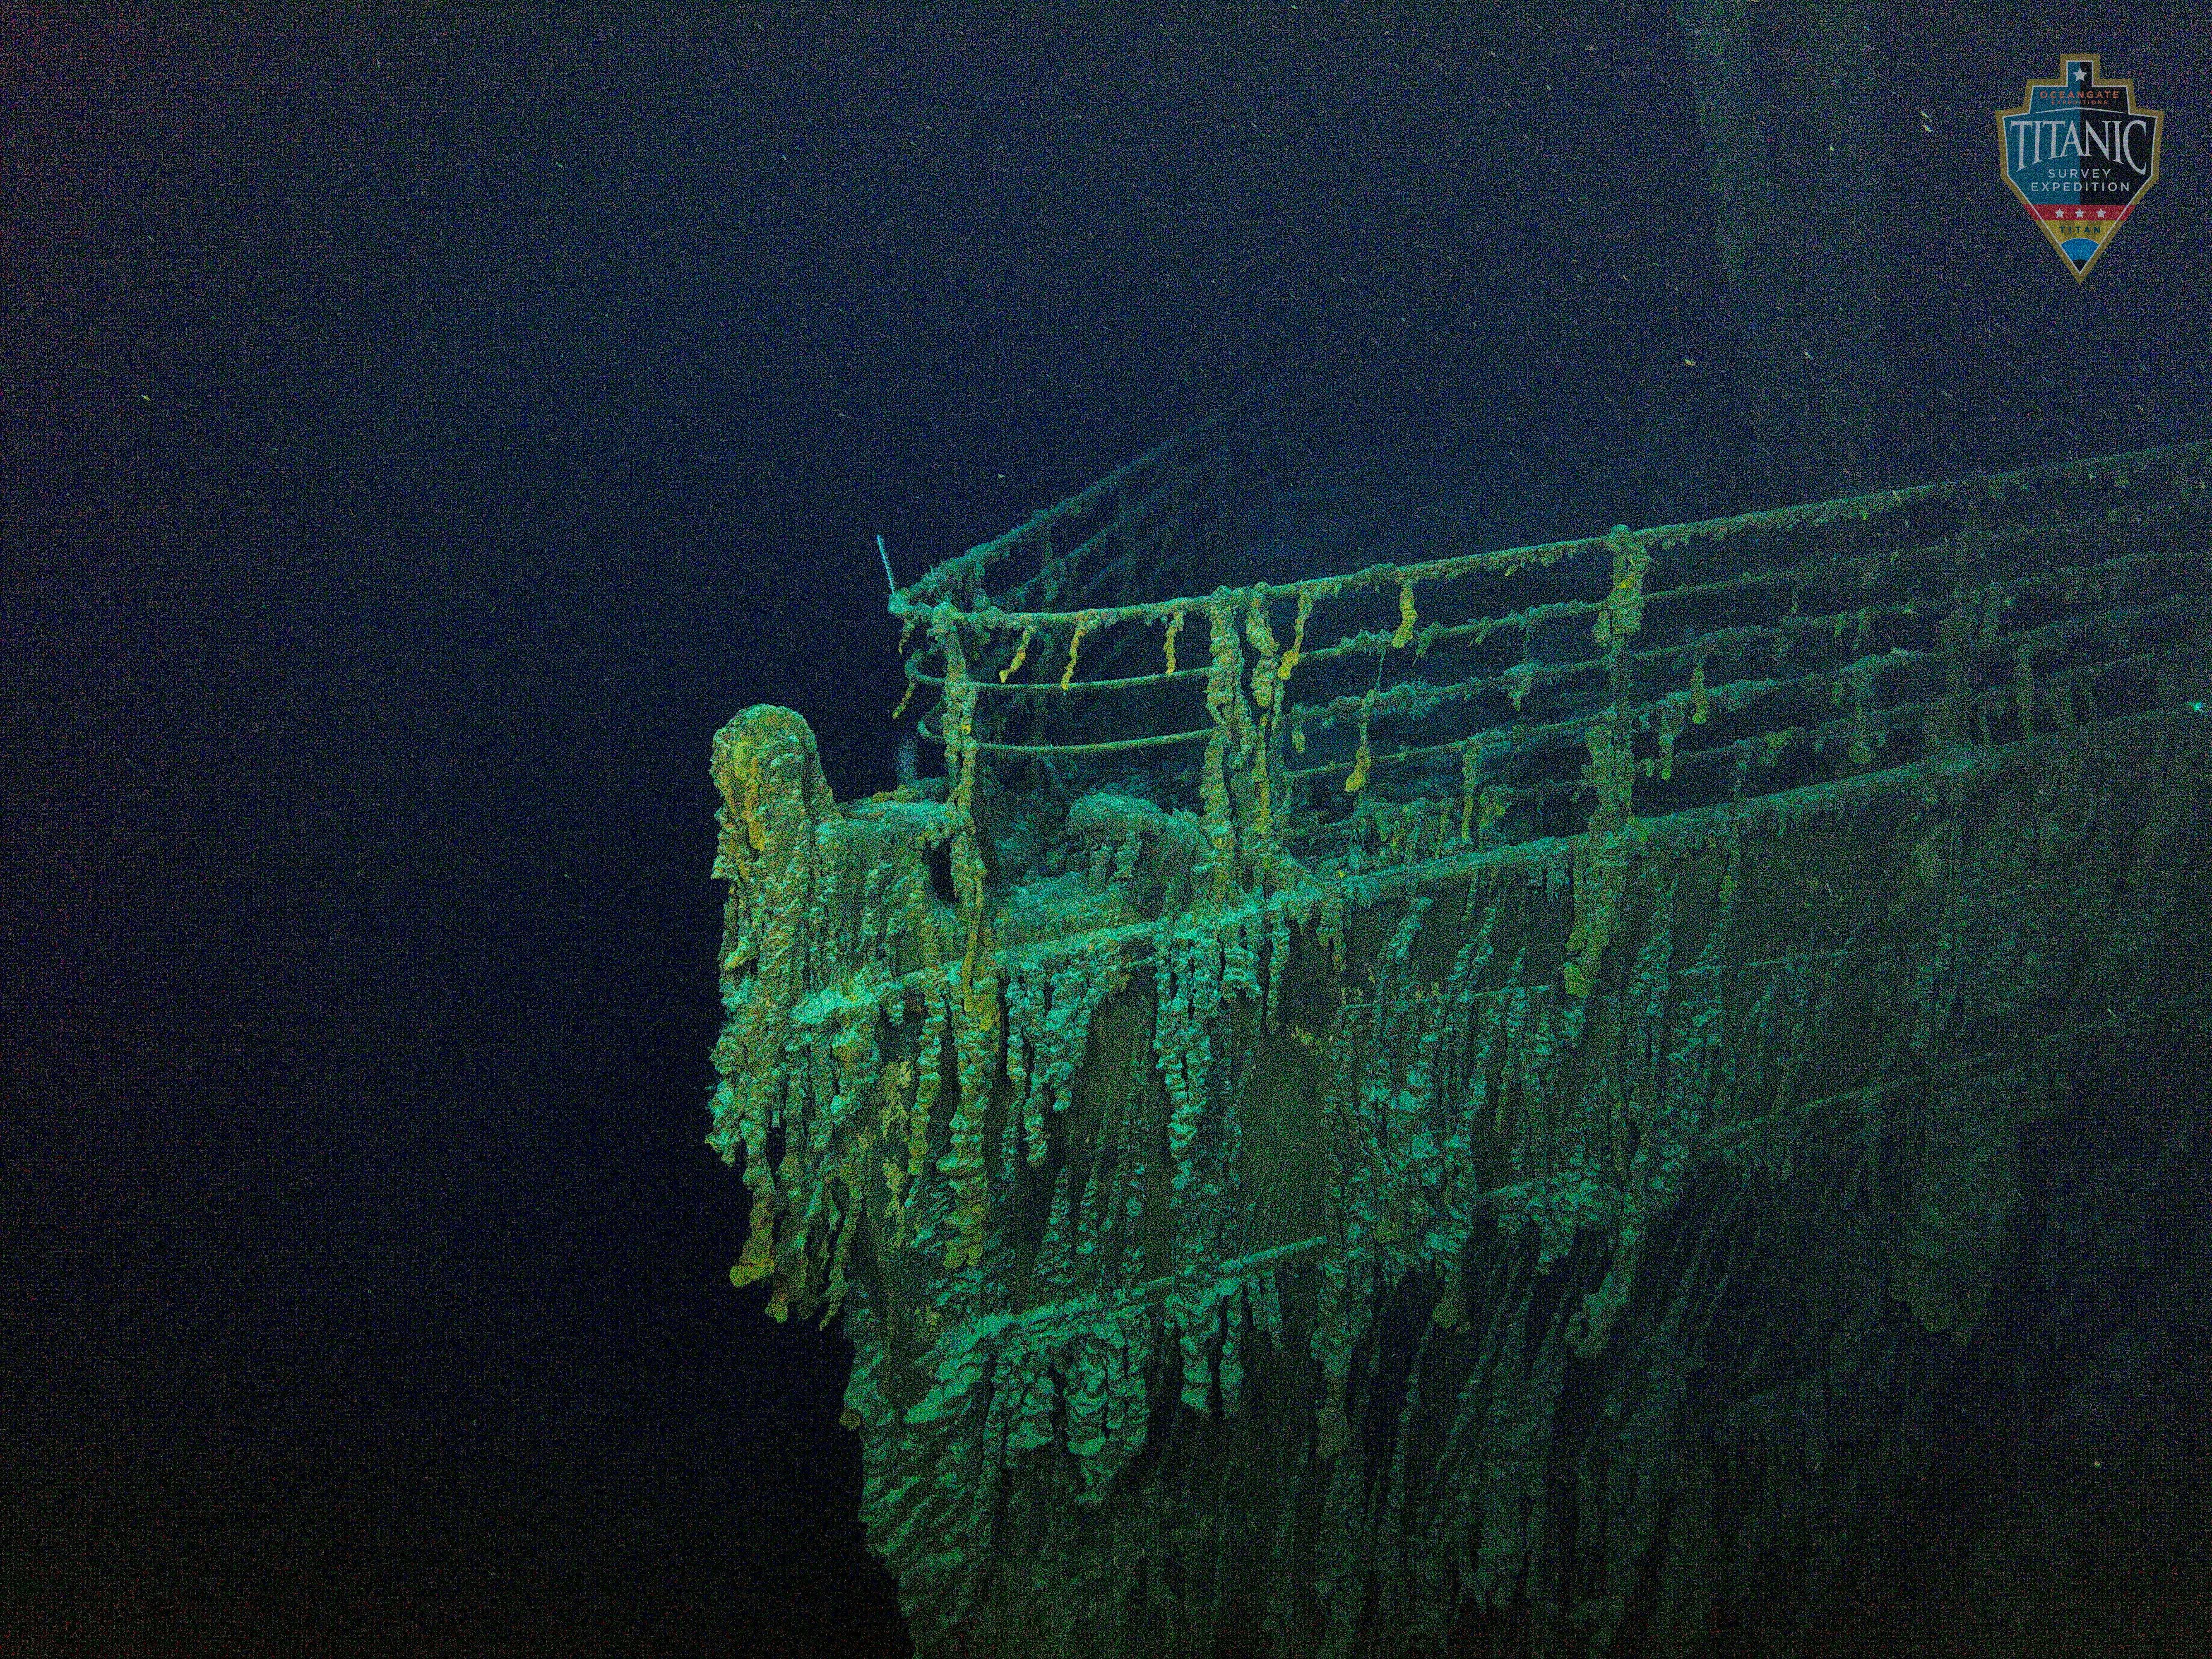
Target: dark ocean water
[{"x": 423, "y": 430}]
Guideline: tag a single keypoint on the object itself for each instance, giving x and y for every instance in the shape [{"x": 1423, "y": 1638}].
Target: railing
[{"x": 1479, "y": 698}]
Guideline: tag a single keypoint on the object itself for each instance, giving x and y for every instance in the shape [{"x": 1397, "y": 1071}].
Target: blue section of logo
[{"x": 2079, "y": 143}]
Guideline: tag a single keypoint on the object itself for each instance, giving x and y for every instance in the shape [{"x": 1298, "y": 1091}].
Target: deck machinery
[{"x": 1466, "y": 1104}]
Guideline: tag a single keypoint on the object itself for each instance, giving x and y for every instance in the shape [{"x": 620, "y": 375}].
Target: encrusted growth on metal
[{"x": 1291, "y": 1118}]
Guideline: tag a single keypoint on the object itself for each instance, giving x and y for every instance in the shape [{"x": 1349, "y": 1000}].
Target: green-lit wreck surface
[{"x": 1466, "y": 1104}]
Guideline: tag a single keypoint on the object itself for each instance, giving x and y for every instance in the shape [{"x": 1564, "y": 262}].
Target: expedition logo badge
[{"x": 2080, "y": 155}]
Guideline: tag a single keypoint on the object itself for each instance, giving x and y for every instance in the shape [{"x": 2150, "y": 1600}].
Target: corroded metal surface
[{"x": 1465, "y": 1101}]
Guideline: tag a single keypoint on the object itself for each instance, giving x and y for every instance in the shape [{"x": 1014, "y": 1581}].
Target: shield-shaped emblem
[{"x": 2079, "y": 153}]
